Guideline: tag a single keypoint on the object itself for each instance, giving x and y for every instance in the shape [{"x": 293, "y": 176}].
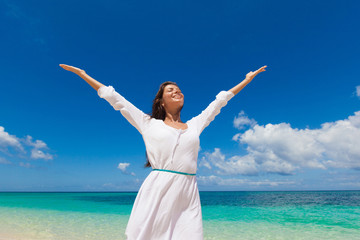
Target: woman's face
[{"x": 173, "y": 99}]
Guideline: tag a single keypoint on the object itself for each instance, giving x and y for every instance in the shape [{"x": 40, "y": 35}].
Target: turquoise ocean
[{"x": 226, "y": 215}]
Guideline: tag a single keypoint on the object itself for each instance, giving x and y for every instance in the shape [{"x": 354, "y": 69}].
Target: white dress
[{"x": 167, "y": 206}]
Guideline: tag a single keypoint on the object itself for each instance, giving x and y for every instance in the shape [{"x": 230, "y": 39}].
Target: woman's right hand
[
  {"x": 251, "y": 74},
  {"x": 76, "y": 70}
]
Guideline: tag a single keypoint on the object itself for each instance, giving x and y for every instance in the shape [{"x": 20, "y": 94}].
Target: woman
[{"x": 167, "y": 205}]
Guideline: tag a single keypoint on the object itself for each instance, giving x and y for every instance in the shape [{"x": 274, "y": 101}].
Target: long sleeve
[
  {"x": 136, "y": 117},
  {"x": 209, "y": 114}
]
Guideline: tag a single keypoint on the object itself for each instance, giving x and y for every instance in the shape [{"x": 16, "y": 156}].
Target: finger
[
  {"x": 262, "y": 68},
  {"x": 66, "y": 67}
]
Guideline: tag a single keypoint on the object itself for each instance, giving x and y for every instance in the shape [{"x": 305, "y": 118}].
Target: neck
[{"x": 172, "y": 117}]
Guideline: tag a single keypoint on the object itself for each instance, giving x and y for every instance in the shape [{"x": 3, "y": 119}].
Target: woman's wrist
[
  {"x": 248, "y": 79},
  {"x": 81, "y": 73}
]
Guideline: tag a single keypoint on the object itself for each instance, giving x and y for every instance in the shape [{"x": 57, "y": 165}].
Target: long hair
[{"x": 158, "y": 111}]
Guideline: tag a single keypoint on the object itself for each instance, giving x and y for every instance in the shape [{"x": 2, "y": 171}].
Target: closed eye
[{"x": 170, "y": 89}]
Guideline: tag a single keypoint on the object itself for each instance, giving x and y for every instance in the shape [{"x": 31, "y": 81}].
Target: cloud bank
[
  {"x": 218, "y": 181},
  {"x": 15, "y": 147},
  {"x": 281, "y": 149}
]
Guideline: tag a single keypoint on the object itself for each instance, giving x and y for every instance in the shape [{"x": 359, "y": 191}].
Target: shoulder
[{"x": 150, "y": 122}]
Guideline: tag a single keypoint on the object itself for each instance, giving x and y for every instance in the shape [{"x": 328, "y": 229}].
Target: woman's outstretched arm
[
  {"x": 135, "y": 116},
  {"x": 235, "y": 90},
  {"x": 93, "y": 83},
  {"x": 208, "y": 115}
]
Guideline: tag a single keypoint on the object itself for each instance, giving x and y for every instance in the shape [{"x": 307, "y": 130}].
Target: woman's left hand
[{"x": 251, "y": 74}]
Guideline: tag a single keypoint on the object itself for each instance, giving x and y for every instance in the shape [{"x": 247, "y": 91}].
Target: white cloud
[
  {"x": 358, "y": 91},
  {"x": 26, "y": 165},
  {"x": 36, "y": 154},
  {"x": 235, "y": 165},
  {"x": 7, "y": 140},
  {"x": 11, "y": 142},
  {"x": 131, "y": 184},
  {"x": 216, "y": 180},
  {"x": 35, "y": 144},
  {"x": 123, "y": 166},
  {"x": 281, "y": 149},
  {"x": 204, "y": 163},
  {"x": 242, "y": 120},
  {"x": 4, "y": 161}
]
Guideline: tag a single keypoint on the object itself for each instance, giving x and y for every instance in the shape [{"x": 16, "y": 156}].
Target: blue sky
[{"x": 296, "y": 126}]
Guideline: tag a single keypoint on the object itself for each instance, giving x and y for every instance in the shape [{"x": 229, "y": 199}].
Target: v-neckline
[{"x": 177, "y": 129}]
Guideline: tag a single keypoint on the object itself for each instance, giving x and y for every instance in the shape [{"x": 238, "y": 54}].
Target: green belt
[{"x": 184, "y": 173}]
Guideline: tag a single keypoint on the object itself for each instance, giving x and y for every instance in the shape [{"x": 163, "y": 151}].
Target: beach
[{"x": 226, "y": 215}]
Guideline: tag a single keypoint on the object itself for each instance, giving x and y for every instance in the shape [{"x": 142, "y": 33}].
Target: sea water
[{"x": 226, "y": 215}]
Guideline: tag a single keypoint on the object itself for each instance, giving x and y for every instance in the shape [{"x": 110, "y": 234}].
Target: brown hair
[{"x": 158, "y": 111}]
